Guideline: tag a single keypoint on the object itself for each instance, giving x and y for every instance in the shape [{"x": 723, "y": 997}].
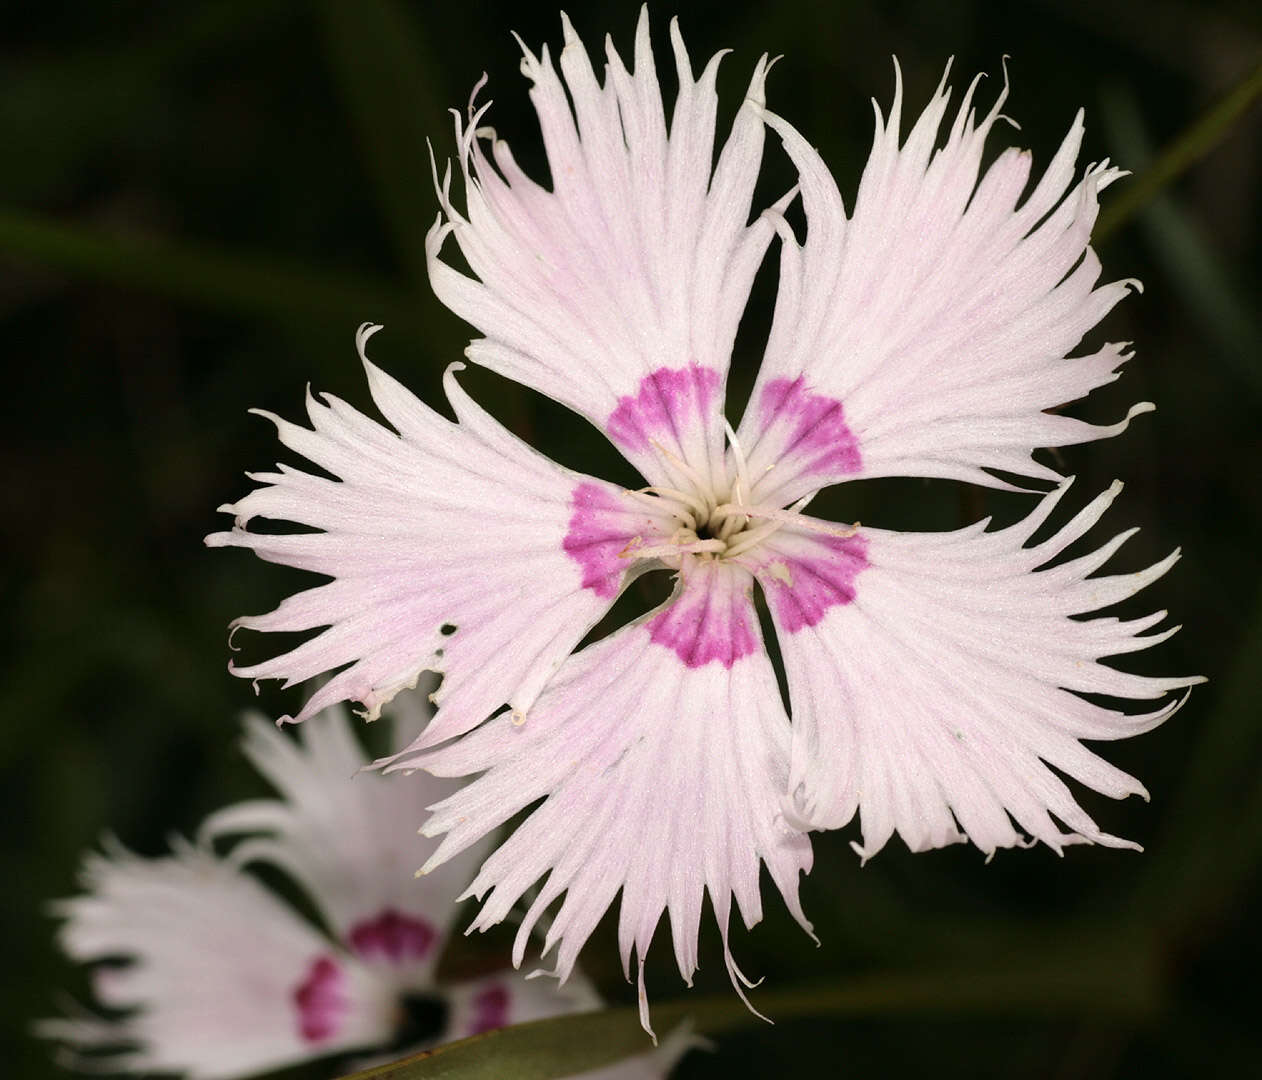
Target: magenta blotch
[
  {"x": 392, "y": 936},
  {"x": 800, "y": 590},
  {"x": 490, "y": 1009},
  {"x": 704, "y": 624},
  {"x": 815, "y": 427},
  {"x": 321, "y": 1000},
  {"x": 597, "y": 535},
  {"x": 668, "y": 401}
]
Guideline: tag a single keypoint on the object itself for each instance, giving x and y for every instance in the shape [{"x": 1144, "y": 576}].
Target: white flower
[
  {"x": 224, "y": 979},
  {"x": 934, "y": 679}
]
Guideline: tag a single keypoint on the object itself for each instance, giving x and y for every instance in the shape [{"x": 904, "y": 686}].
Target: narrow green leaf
[
  {"x": 380, "y": 61},
  {"x": 1191, "y": 264},
  {"x": 253, "y": 285},
  {"x": 1113, "y": 979},
  {"x": 1187, "y": 149}
]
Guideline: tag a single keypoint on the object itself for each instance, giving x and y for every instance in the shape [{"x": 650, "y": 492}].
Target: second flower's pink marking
[
  {"x": 321, "y": 1000},
  {"x": 704, "y": 624},
  {"x": 667, "y": 402},
  {"x": 597, "y": 535},
  {"x": 801, "y": 588},
  {"x": 490, "y": 1009},
  {"x": 815, "y": 426},
  {"x": 392, "y": 936}
]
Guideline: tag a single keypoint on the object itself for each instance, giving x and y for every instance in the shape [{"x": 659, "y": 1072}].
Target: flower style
[
  {"x": 227, "y": 980},
  {"x": 934, "y": 680}
]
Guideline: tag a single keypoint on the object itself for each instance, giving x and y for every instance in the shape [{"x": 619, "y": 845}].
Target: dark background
[{"x": 198, "y": 205}]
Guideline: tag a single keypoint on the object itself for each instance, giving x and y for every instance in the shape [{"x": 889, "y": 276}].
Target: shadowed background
[{"x": 200, "y": 203}]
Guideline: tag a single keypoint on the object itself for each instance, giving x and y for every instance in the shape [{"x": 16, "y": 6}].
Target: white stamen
[
  {"x": 727, "y": 522},
  {"x": 752, "y": 538},
  {"x": 657, "y": 551},
  {"x": 654, "y": 496},
  {"x": 697, "y": 479},
  {"x": 790, "y": 517},
  {"x": 742, "y": 469}
]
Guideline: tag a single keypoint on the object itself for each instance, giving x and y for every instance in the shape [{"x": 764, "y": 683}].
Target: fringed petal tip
[
  {"x": 591, "y": 774},
  {"x": 968, "y": 681},
  {"x": 1055, "y": 843},
  {"x": 629, "y": 187},
  {"x": 642, "y": 1000},
  {"x": 394, "y": 560},
  {"x": 940, "y": 314},
  {"x": 362, "y": 336}
]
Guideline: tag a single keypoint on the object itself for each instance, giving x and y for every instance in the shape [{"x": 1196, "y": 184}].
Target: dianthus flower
[
  {"x": 225, "y": 979},
  {"x": 934, "y": 680}
]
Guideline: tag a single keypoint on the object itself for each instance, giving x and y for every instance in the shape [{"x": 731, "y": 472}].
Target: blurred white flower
[{"x": 220, "y": 977}]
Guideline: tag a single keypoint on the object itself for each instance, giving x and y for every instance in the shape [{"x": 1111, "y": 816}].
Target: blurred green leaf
[
  {"x": 254, "y": 285},
  {"x": 1101, "y": 981},
  {"x": 380, "y": 62},
  {"x": 1191, "y": 265},
  {"x": 1197, "y": 141}
]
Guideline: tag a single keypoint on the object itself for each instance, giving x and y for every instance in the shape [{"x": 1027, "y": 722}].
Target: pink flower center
[
  {"x": 392, "y": 936},
  {"x": 705, "y": 522},
  {"x": 706, "y": 624},
  {"x": 597, "y": 535},
  {"x": 668, "y": 402},
  {"x": 321, "y": 1000},
  {"x": 490, "y": 1009},
  {"x": 800, "y": 588},
  {"x": 811, "y": 427}
]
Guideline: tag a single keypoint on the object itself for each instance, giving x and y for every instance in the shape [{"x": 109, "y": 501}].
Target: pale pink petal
[
  {"x": 446, "y": 546},
  {"x": 934, "y": 678},
  {"x": 661, "y": 756},
  {"x": 225, "y": 979},
  {"x": 511, "y": 998},
  {"x": 349, "y": 837},
  {"x": 618, "y": 291},
  {"x": 928, "y": 333}
]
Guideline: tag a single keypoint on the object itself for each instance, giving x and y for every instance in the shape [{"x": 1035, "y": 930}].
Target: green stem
[
  {"x": 1113, "y": 979},
  {"x": 1192, "y": 145}
]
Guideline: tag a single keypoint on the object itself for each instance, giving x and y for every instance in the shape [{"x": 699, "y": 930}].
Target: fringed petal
[
  {"x": 225, "y": 980},
  {"x": 935, "y": 680},
  {"x": 350, "y": 838},
  {"x": 660, "y": 754},
  {"x": 930, "y": 332},
  {"x": 446, "y": 546},
  {"x": 618, "y": 291}
]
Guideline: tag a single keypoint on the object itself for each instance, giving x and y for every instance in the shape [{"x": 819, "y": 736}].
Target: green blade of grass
[
  {"x": 1187, "y": 149},
  {"x": 1112, "y": 979},
  {"x": 248, "y": 284},
  {"x": 1195, "y": 270}
]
